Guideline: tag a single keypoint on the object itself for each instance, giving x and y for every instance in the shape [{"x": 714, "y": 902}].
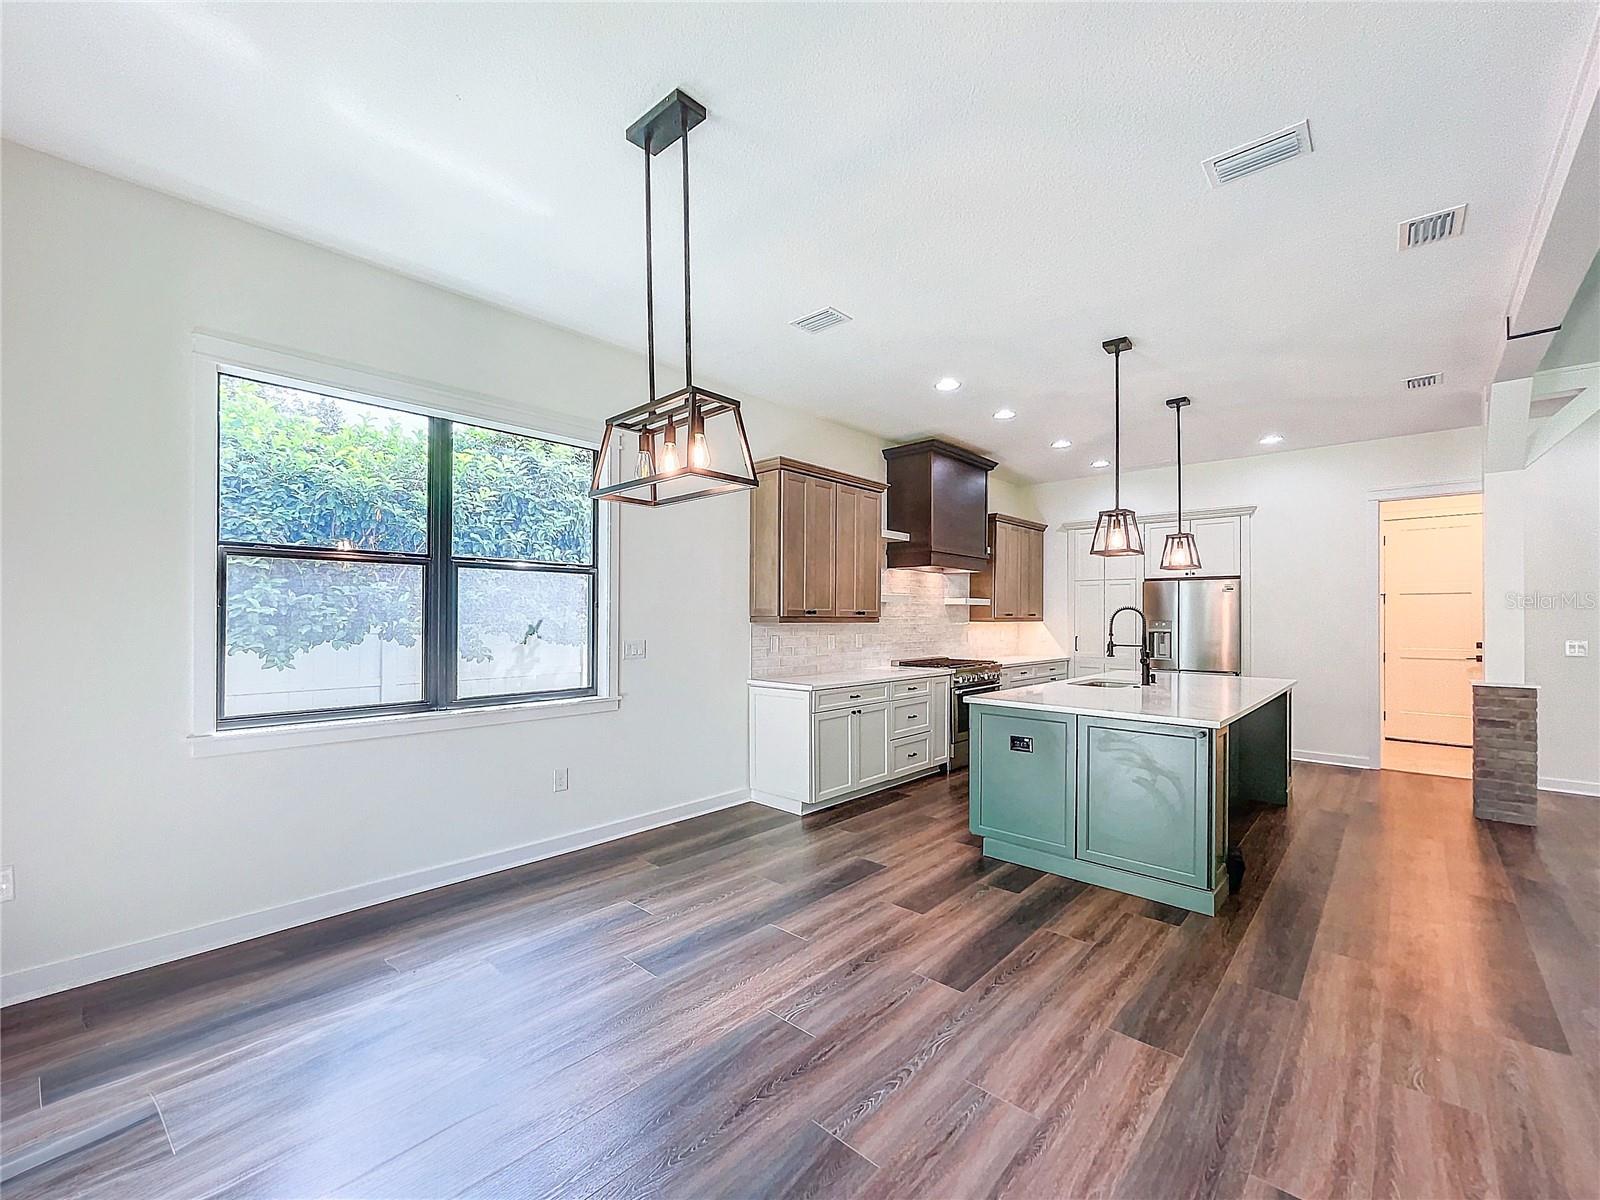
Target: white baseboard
[
  {"x": 1359, "y": 761},
  {"x": 1575, "y": 787},
  {"x": 29, "y": 983}
]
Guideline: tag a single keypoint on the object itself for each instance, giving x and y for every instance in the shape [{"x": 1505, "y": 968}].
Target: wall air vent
[
  {"x": 1422, "y": 381},
  {"x": 1435, "y": 227},
  {"x": 1259, "y": 154},
  {"x": 823, "y": 318}
]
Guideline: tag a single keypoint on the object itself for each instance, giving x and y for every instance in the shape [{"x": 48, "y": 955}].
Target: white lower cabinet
[
  {"x": 869, "y": 745},
  {"x": 804, "y": 754},
  {"x": 833, "y": 754}
]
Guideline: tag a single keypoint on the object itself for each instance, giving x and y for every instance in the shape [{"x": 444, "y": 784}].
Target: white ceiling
[{"x": 989, "y": 190}]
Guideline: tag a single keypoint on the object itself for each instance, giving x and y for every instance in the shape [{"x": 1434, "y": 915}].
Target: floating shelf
[
  {"x": 967, "y": 600},
  {"x": 894, "y": 535}
]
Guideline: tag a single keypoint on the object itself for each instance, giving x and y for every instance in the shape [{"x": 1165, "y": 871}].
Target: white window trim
[{"x": 212, "y": 354}]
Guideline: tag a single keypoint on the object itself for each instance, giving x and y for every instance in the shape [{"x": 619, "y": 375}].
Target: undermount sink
[{"x": 1104, "y": 683}]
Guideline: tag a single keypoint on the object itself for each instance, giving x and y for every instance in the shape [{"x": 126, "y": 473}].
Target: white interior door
[{"x": 1432, "y": 581}]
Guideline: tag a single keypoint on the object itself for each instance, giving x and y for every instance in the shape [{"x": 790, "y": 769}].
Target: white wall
[
  {"x": 1314, "y": 555},
  {"x": 1561, "y": 576},
  {"x": 121, "y": 841}
]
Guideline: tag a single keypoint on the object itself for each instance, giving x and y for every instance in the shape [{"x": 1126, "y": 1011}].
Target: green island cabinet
[{"x": 1136, "y": 806}]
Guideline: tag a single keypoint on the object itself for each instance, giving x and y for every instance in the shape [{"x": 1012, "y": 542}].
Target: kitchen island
[{"x": 1129, "y": 787}]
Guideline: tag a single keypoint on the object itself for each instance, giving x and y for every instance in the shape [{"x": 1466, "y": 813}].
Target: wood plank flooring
[{"x": 1400, "y": 1002}]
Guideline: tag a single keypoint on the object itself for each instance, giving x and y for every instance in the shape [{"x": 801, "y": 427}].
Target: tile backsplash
[{"x": 915, "y": 621}]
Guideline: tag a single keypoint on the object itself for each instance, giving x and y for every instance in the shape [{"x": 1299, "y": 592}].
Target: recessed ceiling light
[
  {"x": 947, "y": 384},
  {"x": 1060, "y": 444},
  {"x": 1003, "y": 414},
  {"x": 1272, "y": 439},
  {"x": 1098, "y": 463}
]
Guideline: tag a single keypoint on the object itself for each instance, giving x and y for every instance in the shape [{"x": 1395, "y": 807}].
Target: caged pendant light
[
  {"x": 673, "y": 460},
  {"x": 1179, "y": 553},
  {"x": 1116, "y": 532}
]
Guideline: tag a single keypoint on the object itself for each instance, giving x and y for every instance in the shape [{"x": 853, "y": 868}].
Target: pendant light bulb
[
  {"x": 670, "y": 465},
  {"x": 1179, "y": 552},
  {"x": 699, "y": 452},
  {"x": 1116, "y": 532},
  {"x": 646, "y": 465}
]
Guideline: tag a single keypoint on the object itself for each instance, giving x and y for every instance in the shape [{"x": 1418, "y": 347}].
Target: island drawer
[{"x": 844, "y": 697}]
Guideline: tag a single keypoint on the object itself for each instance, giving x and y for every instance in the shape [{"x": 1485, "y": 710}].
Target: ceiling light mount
[
  {"x": 948, "y": 384},
  {"x": 672, "y": 473},
  {"x": 1116, "y": 530}
]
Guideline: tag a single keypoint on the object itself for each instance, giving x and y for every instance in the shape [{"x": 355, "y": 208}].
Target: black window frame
[{"x": 440, "y": 566}]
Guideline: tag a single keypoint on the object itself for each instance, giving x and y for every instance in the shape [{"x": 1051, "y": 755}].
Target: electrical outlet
[
  {"x": 1577, "y": 649},
  {"x": 561, "y": 779},
  {"x": 633, "y": 649},
  {"x": 8, "y": 885}
]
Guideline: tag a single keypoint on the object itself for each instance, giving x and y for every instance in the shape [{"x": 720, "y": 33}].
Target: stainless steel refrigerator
[{"x": 1195, "y": 623}]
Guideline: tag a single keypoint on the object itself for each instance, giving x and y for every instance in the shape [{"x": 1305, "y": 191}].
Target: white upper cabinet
[
  {"x": 1218, "y": 539},
  {"x": 1085, "y": 566}
]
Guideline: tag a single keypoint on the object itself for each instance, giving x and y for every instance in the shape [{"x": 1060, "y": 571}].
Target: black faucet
[{"x": 1147, "y": 673}]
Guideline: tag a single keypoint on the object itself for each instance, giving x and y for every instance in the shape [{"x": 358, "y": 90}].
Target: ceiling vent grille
[
  {"x": 1259, "y": 154},
  {"x": 1422, "y": 381},
  {"x": 1435, "y": 227},
  {"x": 823, "y": 318}
]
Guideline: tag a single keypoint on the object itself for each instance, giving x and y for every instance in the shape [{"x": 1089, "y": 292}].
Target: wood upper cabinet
[
  {"x": 815, "y": 543},
  {"x": 1013, "y": 580}
]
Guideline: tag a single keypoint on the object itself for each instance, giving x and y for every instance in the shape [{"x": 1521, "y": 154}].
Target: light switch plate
[
  {"x": 8, "y": 885},
  {"x": 1577, "y": 649},
  {"x": 633, "y": 649},
  {"x": 562, "y": 779}
]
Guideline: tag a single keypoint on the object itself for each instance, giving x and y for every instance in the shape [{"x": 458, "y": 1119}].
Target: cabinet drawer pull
[
  {"x": 911, "y": 753},
  {"x": 811, "y": 612},
  {"x": 855, "y": 695}
]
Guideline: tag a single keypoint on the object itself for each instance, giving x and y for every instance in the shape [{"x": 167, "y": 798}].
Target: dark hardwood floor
[{"x": 1400, "y": 1002}]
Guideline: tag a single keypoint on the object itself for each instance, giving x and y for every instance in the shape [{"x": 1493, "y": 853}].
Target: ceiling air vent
[
  {"x": 1435, "y": 227},
  {"x": 1259, "y": 154},
  {"x": 823, "y": 318},
  {"x": 1422, "y": 381}
]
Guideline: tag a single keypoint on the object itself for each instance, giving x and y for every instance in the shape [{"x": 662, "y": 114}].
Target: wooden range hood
[{"x": 939, "y": 494}]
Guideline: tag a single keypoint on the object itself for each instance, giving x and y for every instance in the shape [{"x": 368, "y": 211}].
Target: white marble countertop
[
  {"x": 848, "y": 677},
  {"x": 1205, "y": 701},
  {"x": 1028, "y": 660}
]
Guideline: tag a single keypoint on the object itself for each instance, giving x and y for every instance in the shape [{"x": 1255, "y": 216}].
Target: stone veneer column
[{"x": 1505, "y": 752}]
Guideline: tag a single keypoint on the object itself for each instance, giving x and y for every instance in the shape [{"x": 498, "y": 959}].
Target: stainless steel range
[{"x": 972, "y": 675}]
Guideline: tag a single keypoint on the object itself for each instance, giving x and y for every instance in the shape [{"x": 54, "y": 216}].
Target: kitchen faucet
[{"x": 1147, "y": 673}]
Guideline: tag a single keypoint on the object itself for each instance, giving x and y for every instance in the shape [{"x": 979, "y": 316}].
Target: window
[{"x": 372, "y": 559}]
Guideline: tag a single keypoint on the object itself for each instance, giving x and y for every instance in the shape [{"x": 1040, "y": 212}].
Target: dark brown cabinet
[
  {"x": 815, "y": 542},
  {"x": 1013, "y": 578}
]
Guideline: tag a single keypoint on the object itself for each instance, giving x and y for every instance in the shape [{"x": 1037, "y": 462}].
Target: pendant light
[
  {"x": 1179, "y": 553},
  {"x": 671, "y": 472},
  {"x": 1116, "y": 533}
]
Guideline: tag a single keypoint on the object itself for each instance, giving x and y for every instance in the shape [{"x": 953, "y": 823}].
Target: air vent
[
  {"x": 1259, "y": 154},
  {"x": 823, "y": 318},
  {"x": 1435, "y": 227},
  {"x": 1422, "y": 381}
]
